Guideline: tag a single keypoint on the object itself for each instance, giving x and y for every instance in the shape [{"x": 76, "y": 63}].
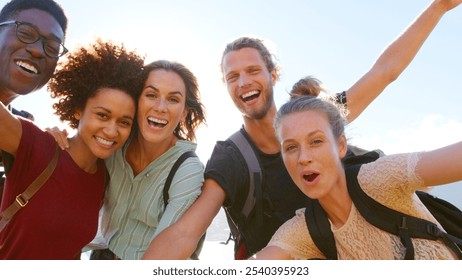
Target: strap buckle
[
  {"x": 21, "y": 201},
  {"x": 434, "y": 230}
]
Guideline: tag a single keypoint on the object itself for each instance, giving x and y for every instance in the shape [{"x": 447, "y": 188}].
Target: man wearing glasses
[{"x": 32, "y": 34}]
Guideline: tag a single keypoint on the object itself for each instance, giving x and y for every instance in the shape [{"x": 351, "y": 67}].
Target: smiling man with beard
[{"x": 250, "y": 75}]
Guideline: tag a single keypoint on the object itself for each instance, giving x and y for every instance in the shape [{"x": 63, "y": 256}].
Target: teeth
[
  {"x": 248, "y": 94},
  {"x": 27, "y": 66},
  {"x": 151, "y": 119},
  {"x": 104, "y": 142}
]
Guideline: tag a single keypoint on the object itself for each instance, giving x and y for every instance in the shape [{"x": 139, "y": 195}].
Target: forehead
[
  {"x": 162, "y": 78},
  {"x": 45, "y": 22},
  {"x": 303, "y": 123},
  {"x": 241, "y": 59}
]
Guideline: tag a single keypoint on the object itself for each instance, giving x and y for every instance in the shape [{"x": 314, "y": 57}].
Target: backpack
[
  {"x": 253, "y": 199},
  {"x": 394, "y": 222}
]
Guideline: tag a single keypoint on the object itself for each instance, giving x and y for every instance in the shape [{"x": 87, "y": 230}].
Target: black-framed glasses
[{"x": 28, "y": 34}]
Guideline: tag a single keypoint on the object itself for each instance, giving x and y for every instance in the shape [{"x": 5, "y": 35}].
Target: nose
[
  {"x": 305, "y": 156},
  {"x": 110, "y": 130},
  {"x": 161, "y": 105},
  {"x": 36, "y": 49},
  {"x": 244, "y": 80}
]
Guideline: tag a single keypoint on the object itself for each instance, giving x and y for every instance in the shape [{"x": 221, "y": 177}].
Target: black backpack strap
[
  {"x": 254, "y": 194},
  {"x": 394, "y": 222},
  {"x": 320, "y": 230},
  {"x": 168, "y": 182},
  {"x": 172, "y": 172},
  {"x": 447, "y": 214}
]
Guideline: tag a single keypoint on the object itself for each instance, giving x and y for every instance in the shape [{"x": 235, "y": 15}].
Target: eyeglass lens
[{"x": 29, "y": 35}]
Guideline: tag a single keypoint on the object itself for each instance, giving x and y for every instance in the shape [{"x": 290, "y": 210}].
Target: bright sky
[{"x": 336, "y": 41}]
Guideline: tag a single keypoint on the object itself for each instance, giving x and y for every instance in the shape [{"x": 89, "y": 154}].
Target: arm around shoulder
[
  {"x": 10, "y": 131},
  {"x": 179, "y": 240}
]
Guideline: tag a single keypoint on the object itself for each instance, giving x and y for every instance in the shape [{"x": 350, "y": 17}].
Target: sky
[{"x": 334, "y": 40}]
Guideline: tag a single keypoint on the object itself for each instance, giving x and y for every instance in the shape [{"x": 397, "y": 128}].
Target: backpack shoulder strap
[
  {"x": 255, "y": 175},
  {"x": 172, "y": 172},
  {"x": 320, "y": 230},
  {"x": 394, "y": 222}
]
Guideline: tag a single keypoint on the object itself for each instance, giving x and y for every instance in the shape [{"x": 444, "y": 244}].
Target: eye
[
  {"x": 102, "y": 115},
  {"x": 126, "y": 123},
  {"x": 150, "y": 95},
  {"x": 53, "y": 46},
  {"x": 173, "y": 100},
  {"x": 254, "y": 71},
  {"x": 290, "y": 148},
  {"x": 231, "y": 78},
  {"x": 27, "y": 33},
  {"x": 317, "y": 141}
]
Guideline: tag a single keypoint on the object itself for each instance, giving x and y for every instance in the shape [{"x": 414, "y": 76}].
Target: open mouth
[
  {"x": 157, "y": 122},
  {"x": 250, "y": 96},
  {"x": 27, "y": 67},
  {"x": 310, "y": 177},
  {"x": 104, "y": 141}
]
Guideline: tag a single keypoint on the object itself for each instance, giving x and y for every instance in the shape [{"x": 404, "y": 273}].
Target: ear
[
  {"x": 78, "y": 114},
  {"x": 183, "y": 117},
  {"x": 274, "y": 76},
  {"x": 342, "y": 146}
]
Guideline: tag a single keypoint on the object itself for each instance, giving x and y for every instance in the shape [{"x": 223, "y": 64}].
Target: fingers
[{"x": 60, "y": 136}]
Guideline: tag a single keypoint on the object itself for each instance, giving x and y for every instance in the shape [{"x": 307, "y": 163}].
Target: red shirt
[{"x": 62, "y": 217}]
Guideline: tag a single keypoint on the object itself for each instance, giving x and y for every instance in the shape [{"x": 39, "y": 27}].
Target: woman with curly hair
[
  {"x": 135, "y": 210},
  {"x": 97, "y": 90}
]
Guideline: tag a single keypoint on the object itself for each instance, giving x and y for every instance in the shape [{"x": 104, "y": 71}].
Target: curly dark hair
[
  {"x": 100, "y": 65},
  {"x": 15, "y": 6},
  {"x": 196, "y": 111}
]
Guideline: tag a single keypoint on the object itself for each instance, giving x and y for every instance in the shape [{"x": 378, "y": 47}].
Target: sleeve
[
  {"x": 185, "y": 189},
  {"x": 228, "y": 168},
  {"x": 391, "y": 178},
  {"x": 294, "y": 238}
]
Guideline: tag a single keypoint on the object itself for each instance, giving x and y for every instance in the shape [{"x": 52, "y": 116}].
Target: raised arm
[
  {"x": 441, "y": 166},
  {"x": 10, "y": 131},
  {"x": 179, "y": 240},
  {"x": 396, "y": 57}
]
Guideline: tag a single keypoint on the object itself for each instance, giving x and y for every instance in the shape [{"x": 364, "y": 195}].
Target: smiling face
[
  {"x": 249, "y": 82},
  {"x": 24, "y": 67},
  {"x": 105, "y": 122},
  {"x": 311, "y": 153},
  {"x": 161, "y": 107}
]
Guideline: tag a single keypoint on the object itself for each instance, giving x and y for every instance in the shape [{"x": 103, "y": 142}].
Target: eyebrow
[
  {"x": 157, "y": 90},
  {"x": 109, "y": 111},
  {"x": 51, "y": 35},
  {"x": 308, "y": 135}
]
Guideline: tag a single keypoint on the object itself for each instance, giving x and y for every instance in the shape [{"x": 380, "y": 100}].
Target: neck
[
  {"x": 141, "y": 153},
  {"x": 6, "y": 98},
  {"x": 337, "y": 203},
  {"x": 262, "y": 132},
  {"x": 82, "y": 156}
]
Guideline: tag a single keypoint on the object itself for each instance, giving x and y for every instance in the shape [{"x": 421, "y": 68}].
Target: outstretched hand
[
  {"x": 60, "y": 136},
  {"x": 450, "y": 4}
]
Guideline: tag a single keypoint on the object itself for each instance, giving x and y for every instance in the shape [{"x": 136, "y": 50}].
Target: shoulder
[
  {"x": 294, "y": 237},
  {"x": 389, "y": 175}
]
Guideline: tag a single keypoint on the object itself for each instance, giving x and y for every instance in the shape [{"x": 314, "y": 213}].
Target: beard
[{"x": 260, "y": 112}]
